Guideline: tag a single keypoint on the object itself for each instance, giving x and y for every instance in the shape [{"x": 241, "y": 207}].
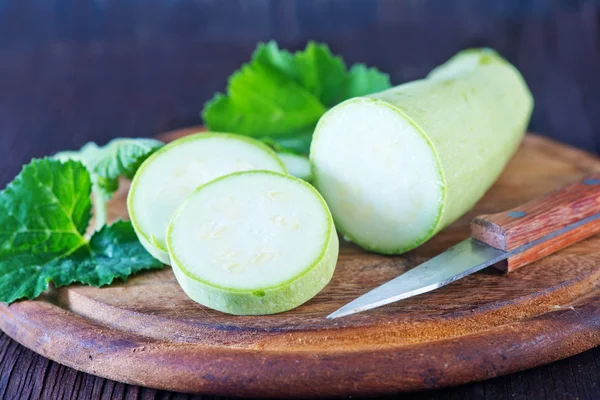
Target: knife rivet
[
  {"x": 591, "y": 181},
  {"x": 517, "y": 214}
]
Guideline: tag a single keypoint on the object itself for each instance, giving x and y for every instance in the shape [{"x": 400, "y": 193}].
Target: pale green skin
[
  {"x": 477, "y": 98},
  {"x": 155, "y": 249},
  {"x": 261, "y": 300}
]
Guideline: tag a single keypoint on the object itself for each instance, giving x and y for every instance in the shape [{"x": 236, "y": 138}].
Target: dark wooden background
[{"x": 72, "y": 71}]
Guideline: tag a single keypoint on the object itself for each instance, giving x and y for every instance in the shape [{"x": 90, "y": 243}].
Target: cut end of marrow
[
  {"x": 398, "y": 166},
  {"x": 253, "y": 243},
  {"x": 167, "y": 177},
  {"x": 361, "y": 153}
]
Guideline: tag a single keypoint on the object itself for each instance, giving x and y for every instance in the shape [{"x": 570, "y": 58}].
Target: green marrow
[{"x": 398, "y": 166}]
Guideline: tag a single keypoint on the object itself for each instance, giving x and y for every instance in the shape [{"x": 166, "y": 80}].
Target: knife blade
[{"x": 523, "y": 234}]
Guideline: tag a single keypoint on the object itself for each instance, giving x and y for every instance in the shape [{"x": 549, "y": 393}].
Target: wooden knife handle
[{"x": 540, "y": 217}]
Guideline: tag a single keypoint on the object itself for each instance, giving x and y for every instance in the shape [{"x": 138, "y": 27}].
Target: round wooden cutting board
[{"x": 147, "y": 332}]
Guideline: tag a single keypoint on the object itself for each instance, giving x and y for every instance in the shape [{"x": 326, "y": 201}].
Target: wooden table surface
[{"x": 71, "y": 72}]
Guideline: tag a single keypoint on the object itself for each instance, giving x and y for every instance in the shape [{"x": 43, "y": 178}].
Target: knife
[{"x": 508, "y": 241}]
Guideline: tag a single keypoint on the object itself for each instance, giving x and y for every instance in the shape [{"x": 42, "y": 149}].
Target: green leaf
[
  {"x": 45, "y": 208},
  {"x": 262, "y": 101},
  {"x": 113, "y": 252},
  {"x": 44, "y": 213},
  {"x": 315, "y": 69},
  {"x": 120, "y": 157},
  {"x": 363, "y": 80},
  {"x": 282, "y": 95}
]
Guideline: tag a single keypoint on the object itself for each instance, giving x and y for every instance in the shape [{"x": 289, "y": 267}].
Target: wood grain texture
[
  {"x": 147, "y": 332},
  {"x": 25, "y": 375},
  {"x": 540, "y": 217}
]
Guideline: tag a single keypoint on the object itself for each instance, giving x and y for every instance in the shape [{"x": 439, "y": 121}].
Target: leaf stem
[{"x": 99, "y": 210}]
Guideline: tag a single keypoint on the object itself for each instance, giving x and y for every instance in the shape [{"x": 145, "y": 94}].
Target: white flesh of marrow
[
  {"x": 167, "y": 177},
  {"x": 253, "y": 243},
  {"x": 378, "y": 175}
]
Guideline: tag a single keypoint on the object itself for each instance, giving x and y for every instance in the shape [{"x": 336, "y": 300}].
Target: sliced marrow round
[
  {"x": 253, "y": 243},
  {"x": 165, "y": 179},
  {"x": 297, "y": 165}
]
